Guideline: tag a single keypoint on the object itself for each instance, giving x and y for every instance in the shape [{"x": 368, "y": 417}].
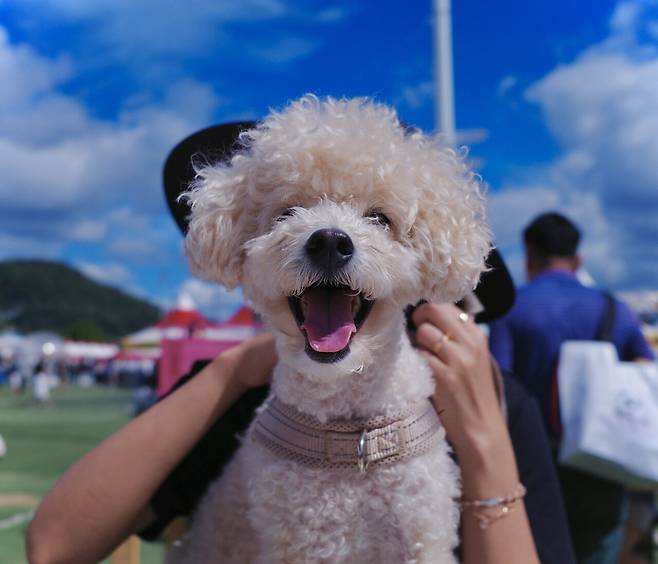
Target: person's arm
[
  {"x": 104, "y": 496},
  {"x": 469, "y": 408},
  {"x": 544, "y": 504}
]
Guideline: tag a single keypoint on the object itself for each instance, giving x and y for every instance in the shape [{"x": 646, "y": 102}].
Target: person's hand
[
  {"x": 469, "y": 408},
  {"x": 254, "y": 360},
  {"x": 465, "y": 395}
]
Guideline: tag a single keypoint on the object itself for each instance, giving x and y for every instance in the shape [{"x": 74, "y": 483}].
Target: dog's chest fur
[{"x": 267, "y": 509}]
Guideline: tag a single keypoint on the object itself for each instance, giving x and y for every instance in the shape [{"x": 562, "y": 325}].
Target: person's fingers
[
  {"x": 446, "y": 317},
  {"x": 457, "y": 356},
  {"x": 460, "y": 326},
  {"x": 432, "y": 339}
]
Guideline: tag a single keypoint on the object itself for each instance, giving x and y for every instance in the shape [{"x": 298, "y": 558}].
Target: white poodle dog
[{"x": 333, "y": 217}]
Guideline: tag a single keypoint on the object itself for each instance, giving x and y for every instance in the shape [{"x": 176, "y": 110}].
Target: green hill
[{"x": 41, "y": 295}]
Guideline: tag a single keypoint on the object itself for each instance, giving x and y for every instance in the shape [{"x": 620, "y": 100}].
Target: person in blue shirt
[{"x": 552, "y": 308}]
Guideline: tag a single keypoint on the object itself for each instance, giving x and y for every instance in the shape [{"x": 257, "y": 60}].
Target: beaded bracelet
[{"x": 506, "y": 504}]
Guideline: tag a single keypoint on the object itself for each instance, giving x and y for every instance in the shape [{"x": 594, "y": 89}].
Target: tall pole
[{"x": 444, "y": 103}]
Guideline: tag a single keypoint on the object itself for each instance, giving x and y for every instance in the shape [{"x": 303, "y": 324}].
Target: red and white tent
[
  {"x": 241, "y": 326},
  {"x": 181, "y": 322},
  {"x": 184, "y": 335}
]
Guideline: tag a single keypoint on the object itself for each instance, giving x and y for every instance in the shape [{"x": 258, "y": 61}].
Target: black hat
[
  {"x": 495, "y": 290},
  {"x": 217, "y": 143},
  {"x": 214, "y": 144}
]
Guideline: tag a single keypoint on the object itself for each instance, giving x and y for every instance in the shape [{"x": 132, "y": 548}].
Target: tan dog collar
[{"x": 356, "y": 444}]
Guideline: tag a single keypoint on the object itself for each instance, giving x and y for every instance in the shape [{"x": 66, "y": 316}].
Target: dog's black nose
[{"x": 329, "y": 249}]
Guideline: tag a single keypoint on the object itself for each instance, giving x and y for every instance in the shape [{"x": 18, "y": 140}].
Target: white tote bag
[{"x": 609, "y": 412}]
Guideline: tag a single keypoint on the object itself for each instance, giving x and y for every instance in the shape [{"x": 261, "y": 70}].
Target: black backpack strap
[{"x": 608, "y": 322}]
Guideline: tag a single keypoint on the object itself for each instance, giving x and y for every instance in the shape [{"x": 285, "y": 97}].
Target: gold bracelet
[{"x": 505, "y": 503}]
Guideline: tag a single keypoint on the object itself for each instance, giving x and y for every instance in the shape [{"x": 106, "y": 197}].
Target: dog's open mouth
[{"x": 328, "y": 316}]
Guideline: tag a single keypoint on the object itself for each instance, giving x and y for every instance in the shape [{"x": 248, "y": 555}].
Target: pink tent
[{"x": 178, "y": 355}]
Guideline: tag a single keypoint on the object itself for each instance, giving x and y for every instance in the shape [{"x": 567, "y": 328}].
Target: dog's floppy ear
[
  {"x": 217, "y": 224},
  {"x": 450, "y": 229}
]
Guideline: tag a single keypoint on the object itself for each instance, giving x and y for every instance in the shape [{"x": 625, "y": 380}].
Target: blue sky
[{"x": 95, "y": 92}]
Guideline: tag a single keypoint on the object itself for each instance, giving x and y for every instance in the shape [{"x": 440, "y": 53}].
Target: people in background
[{"x": 552, "y": 308}]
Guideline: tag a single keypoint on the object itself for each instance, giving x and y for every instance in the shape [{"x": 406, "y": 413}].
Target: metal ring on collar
[{"x": 361, "y": 453}]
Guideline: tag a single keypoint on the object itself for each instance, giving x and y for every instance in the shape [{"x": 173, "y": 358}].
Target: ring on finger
[
  {"x": 436, "y": 347},
  {"x": 464, "y": 317}
]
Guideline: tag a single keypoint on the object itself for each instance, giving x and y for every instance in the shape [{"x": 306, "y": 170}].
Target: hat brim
[
  {"x": 214, "y": 144},
  {"x": 495, "y": 291}
]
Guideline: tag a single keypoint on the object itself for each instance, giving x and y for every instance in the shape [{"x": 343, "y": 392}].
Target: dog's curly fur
[{"x": 336, "y": 164}]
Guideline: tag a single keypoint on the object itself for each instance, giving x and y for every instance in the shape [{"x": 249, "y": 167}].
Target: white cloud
[
  {"x": 76, "y": 173},
  {"x": 56, "y": 157},
  {"x": 602, "y": 108},
  {"x": 416, "y": 95},
  {"x": 624, "y": 22},
  {"x": 142, "y": 251},
  {"x": 141, "y": 33},
  {"x": 111, "y": 274},
  {"x": 506, "y": 84},
  {"x": 214, "y": 301},
  {"x": 72, "y": 179},
  {"x": 332, "y": 15},
  {"x": 652, "y": 29},
  {"x": 30, "y": 73},
  {"x": 284, "y": 50},
  {"x": 86, "y": 230},
  {"x": 134, "y": 238},
  {"x": 512, "y": 208},
  {"x": 138, "y": 30},
  {"x": 22, "y": 246}
]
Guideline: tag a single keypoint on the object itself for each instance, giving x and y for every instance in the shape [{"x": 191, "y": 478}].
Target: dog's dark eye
[
  {"x": 284, "y": 214},
  {"x": 379, "y": 218}
]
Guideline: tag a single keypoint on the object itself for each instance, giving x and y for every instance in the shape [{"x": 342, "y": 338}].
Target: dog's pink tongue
[{"x": 328, "y": 322}]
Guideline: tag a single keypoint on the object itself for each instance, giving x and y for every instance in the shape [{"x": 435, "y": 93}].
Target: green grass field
[{"x": 41, "y": 443}]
